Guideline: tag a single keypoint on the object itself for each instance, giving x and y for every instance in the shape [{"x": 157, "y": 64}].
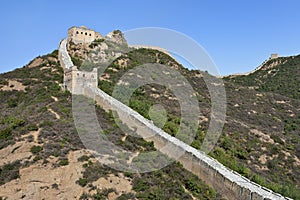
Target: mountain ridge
[{"x": 228, "y": 147}]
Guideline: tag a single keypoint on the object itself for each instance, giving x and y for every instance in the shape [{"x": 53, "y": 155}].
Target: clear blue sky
[{"x": 238, "y": 35}]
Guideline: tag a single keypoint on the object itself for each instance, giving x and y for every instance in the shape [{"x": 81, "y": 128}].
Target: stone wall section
[
  {"x": 63, "y": 55},
  {"x": 228, "y": 182},
  {"x": 231, "y": 184},
  {"x": 74, "y": 79}
]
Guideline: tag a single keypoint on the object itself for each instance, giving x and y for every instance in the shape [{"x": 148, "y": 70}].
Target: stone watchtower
[
  {"x": 75, "y": 80},
  {"x": 274, "y": 56},
  {"x": 82, "y": 35}
]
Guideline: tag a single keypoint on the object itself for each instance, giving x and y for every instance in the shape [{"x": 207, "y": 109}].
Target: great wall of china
[{"x": 224, "y": 180}]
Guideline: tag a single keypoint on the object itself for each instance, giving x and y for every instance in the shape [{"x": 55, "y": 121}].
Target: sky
[{"x": 238, "y": 35}]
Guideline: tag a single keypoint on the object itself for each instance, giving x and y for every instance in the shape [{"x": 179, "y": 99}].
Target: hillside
[
  {"x": 261, "y": 135},
  {"x": 42, "y": 155},
  {"x": 280, "y": 75}
]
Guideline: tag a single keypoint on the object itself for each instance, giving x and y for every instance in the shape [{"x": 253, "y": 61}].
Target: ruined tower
[{"x": 82, "y": 35}]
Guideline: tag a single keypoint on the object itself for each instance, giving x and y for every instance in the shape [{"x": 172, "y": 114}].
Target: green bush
[
  {"x": 3, "y": 82},
  {"x": 5, "y": 133},
  {"x": 83, "y": 158},
  {"x": 53, "y": 54},
  {"x": 12, "y": 122},
  {"x": 141, "y": 185},
  {"x": 241, "y": 153},
  {"x": 12, "y": 103},
  {"x": 9, "y": 172},
  {"x": 277, "y": 139},
  {"x": 32, "y": 127},
  {"x": 193, "y": 186},
  {"x": 36, "y": 149},
  {"x": 76, "y": 61},
  {"x": 258, "y": 179},
  {"x": 46, "y": 123},
  {"x": 96, "y": 42},
  {"x": 126, "y": 196},
  {"x": 82, "y": 182},
  {"x": 117, "y": 32},
  {"x": 63, "y": 162},
  {"x": 226, "y": 143}
]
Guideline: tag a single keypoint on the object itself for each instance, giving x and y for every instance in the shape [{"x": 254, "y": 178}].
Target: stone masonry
[
  {"x": 82, "y": 35},
  {"x": 75, "y": 80},
  {"x": 229, "y": 183}
]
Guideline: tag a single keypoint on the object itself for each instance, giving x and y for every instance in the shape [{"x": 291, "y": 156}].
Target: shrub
[
  {"x": 277, "y": 139},
  {"x": 76, "y": 61},
  {"x": 241, "y": 153},
  {"x": 32, "y": 127},
  {"x": 83, "y": 158},
  {"x": 82, "y": 182},
  {"x": 54, "y": 186},
  {"x": 140, "y": 185},
  {"x": 12, "y": 103},
  {"x": 96, "y": 42},
  {"x": 46, "y": 123},
  {"x": 126, "y": 196},
  {"x": 12, "y": 122},
  {"x": 9, "y": 172},
  {"x": 117, "y": 32},
  {"x": 3, "y": 82},
  {"x": 36, "y": 149},
  {"x": 258, "y": 179},
  {"x": 63, "y": 162},
  {"x": 226, "y": 143},
  {"x": 5, "y": 133},
  {"x": 53, "y": 54},
  {"x": 193, "y": 186}
]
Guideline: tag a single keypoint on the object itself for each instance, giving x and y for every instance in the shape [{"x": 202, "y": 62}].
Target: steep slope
[
  {"x": 261, "y": 136},
  {"x": 42, "y": 155}
]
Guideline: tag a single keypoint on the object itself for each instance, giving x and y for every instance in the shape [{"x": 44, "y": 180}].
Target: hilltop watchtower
[
  {"x": 82, "y": 35},
  {"x": 274, "y": 56}
]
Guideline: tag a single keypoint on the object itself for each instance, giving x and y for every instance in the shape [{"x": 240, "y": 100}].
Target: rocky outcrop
[{"x": 117, "y": 37}]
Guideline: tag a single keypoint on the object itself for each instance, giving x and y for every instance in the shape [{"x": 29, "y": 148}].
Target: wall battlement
[
  {"x": 74, "y": 79},
  {"x": 231, "y": 184},
  {"x": 82, "y": 35}
]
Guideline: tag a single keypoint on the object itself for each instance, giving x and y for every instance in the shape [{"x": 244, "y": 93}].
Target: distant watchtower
[
  {"x": 274, "y": 56},
  {"x": 82, "y": 35}
]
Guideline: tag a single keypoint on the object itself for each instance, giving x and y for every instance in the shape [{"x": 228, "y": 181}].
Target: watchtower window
[
  {"x": 77, "y": 32},
  {"x": 85, "y": 33},
  {"x": 90, "y": 34},
  {"x": 81, "y": 32}
]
